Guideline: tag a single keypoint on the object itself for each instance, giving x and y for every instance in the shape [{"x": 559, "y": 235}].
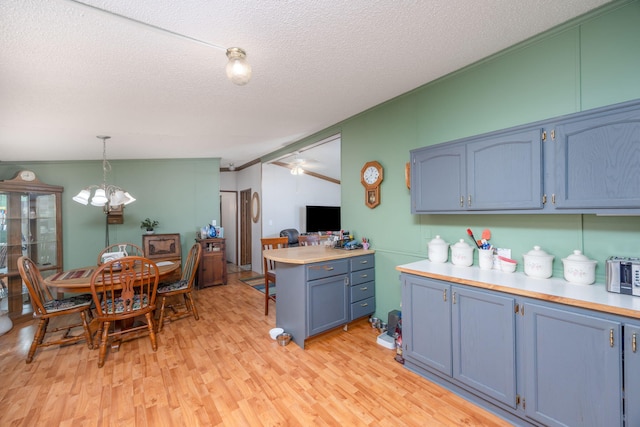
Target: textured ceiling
[{"x": 69, "y": 72}]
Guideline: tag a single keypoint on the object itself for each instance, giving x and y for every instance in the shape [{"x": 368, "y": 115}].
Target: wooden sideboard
[{"x": 213, "y": 265}]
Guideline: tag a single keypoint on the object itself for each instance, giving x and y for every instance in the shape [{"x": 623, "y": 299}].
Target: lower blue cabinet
[{"x": 534, "y": 362}]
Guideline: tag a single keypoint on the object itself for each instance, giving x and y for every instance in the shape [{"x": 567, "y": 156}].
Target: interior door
[{"x": 245, "y": 227}]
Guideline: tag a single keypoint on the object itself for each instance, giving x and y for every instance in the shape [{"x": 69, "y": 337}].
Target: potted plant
[{"x": 149, "y": 225}]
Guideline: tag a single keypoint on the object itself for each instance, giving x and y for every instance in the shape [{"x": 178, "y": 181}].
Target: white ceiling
[{"x": 69, "y": 72}]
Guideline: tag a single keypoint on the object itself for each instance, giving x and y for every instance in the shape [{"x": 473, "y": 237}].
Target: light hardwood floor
[{"x": 224, "y": 370}]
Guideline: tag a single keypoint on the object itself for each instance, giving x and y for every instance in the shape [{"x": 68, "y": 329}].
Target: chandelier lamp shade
[
  {"x": 238, "y": 69},
  {"x": 104, "y": 195}
]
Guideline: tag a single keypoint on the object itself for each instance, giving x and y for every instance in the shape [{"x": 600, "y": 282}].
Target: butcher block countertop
[
  {"x": 592, "y": 297},
  {"x": 312, "y": 254}
]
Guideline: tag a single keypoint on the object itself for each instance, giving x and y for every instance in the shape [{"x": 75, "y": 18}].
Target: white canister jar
[
  {"x": 538, "y": 263},
  {"x": 462, "y": 254},
  {"x": 438, "y": 250},
  {"x": 579, "y": 269}
]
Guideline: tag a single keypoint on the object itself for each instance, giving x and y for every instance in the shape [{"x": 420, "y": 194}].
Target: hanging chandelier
[{"x": 105, "y": 195}]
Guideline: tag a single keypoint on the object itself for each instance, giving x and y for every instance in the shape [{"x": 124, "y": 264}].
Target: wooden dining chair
[
  {"x": 182, "y": 287},
  {"x": 129, "y": 248},
  {"x": 122, "y": 290},
  {"x": 309, "y": 240},
  {"x": 45, "y": 307},
  {"x": 269, "y": 267}
]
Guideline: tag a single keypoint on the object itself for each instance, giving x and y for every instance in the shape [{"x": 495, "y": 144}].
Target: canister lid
[
  {"x": 536, "y": 251},
  {"x": 437, "y": 241},
  {"x": 461, "y": 244},
  {"x": 578, "y": 256}
]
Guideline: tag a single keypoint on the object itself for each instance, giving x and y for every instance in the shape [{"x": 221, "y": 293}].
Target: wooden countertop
[
  {"x": 593, "y": 297},
  {"x": 312, "y": 254}
]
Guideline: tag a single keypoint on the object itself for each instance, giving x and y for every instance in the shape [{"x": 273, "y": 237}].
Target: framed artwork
[{"x": 162, "y": 246}]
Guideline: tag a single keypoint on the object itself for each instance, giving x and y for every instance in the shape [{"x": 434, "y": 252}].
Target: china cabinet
[
  {"x": 30, "y": 225},
  {"x": 213, "y": 264}
]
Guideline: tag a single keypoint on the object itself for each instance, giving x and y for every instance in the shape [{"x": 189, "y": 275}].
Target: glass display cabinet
[{"x": 30, "y": 225}]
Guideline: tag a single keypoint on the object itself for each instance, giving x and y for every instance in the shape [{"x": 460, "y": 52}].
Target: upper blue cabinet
[
  {"x": 586, "y": 162},
  {"x": 597, "y": 161}
]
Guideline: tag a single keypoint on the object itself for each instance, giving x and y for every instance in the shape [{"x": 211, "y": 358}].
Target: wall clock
[
  {"x": 371, "y": 177},
  {"x": 25, "y": 175}
]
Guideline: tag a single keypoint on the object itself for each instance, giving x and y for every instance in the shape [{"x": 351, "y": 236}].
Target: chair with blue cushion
[
  {"x": 125, "y": 289},
  {"x": 45, "y": 307},
  {"x": 182, "y": 287}
]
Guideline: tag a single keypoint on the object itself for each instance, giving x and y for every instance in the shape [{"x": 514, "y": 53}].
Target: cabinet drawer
[
  {"x": 363, "y": 308},
  {"x": 362, "y": 276},
  {"x": 363, "y": 291},
  {"x": 362, "y": 262},
  {"x": 327, "y": 269}
]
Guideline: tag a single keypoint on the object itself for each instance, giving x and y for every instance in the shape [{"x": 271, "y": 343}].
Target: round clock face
[
  {"x": 27, "y": 175},
  {"x": 371, "y": 175}
]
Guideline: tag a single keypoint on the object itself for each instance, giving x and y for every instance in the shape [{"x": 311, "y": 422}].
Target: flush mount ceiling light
[
  {"x": 105, "y": 195},
  {"x": 238, "y": 69}
]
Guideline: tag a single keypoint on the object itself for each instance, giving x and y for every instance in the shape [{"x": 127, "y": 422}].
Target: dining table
[{"x": 78, "y": 280}]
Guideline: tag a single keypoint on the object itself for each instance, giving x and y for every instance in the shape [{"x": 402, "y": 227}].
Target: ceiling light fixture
[
  {"x": 297, "y": 170},
  {"x": 238, "y": 69},
  {"x": 105, "y": 195}
]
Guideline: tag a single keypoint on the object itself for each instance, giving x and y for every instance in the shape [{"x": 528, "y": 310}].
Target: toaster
[{"x": 623, "y": 275}]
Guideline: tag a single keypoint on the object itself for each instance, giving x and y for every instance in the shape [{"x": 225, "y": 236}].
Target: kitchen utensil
[
  {"x": 538, "y": 263},
  {"x": 438, "y": 250},
  {"x": 486, "y": 234},
  {"x": 470, "y": 233},
  {"x": 579, "y": 269},
  {"x": 462, "y": 254}
]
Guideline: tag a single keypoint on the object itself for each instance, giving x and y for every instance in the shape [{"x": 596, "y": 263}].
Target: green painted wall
[
  {"x": 585, "y": 64},
  {"x": 182, "y": 195}
]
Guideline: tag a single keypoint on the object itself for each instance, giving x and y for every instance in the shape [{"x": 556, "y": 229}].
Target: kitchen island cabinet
[
  {"x": 314, "y": 288},
  {"x": 571, "y": 344}
]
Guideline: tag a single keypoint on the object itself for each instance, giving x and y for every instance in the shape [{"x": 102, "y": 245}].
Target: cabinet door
[
  {"x": 327, "y": 303},
  {"x": 426, "y": 324},
  {"x": 573, "y": 368},
  {"x": 505, "y": 172},
  {"x": 598, "y": 161},
  {"x": 438, "y": 177},
  {"x": 632, "y": 373},
  {"x": 484, "y": 342}
]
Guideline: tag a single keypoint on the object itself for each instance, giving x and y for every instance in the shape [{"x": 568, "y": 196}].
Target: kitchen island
[{"x": 319, "y": 288}]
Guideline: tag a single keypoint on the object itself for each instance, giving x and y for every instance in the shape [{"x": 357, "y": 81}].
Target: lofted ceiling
[{"x": 69, "y": 72}]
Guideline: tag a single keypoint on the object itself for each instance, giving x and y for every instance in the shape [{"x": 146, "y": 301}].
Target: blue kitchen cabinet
[
  {"x": 573, "y": 367},
  {"x": 498, "y": 171},
  {"x": 632, "y": 373},
  {"x": 597, "y": 160},
  {"x": 363, "y": 286},
  {"x": 438, "y": 177},
  {"x": 484, "y": 342},
  {"x": 505, "y": 171},
  {"x": 467, "y": 335},
  {"x": 426, "y": 323},
  {"x": 585, "y": 162},
  {"x": 327, "y": 296}
]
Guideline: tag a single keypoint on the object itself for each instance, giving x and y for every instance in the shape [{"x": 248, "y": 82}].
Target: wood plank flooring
[{"x": 224, "y": 370}]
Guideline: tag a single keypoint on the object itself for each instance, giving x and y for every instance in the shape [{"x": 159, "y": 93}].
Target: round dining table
[{"x": 78, "y": 280}]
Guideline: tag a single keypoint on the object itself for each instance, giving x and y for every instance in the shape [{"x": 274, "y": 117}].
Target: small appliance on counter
[{"x": 623, "y": 275}]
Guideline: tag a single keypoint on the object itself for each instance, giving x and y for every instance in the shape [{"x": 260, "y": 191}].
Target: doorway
[
  {"x": 229, "y": 221},
  {"x": 245, "y": 228}
]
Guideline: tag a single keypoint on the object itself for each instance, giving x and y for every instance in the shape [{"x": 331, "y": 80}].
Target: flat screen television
[{"x": 323, "y": 218}]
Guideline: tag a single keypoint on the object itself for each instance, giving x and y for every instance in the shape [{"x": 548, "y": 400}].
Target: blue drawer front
[
  {"x": 362, "y": 276},
  {"x": 363, "y": 308},
  {"x": 327, "y": 269},
  {"x": 363, "y": 291},
  {"x": 362, "y": 262}
]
